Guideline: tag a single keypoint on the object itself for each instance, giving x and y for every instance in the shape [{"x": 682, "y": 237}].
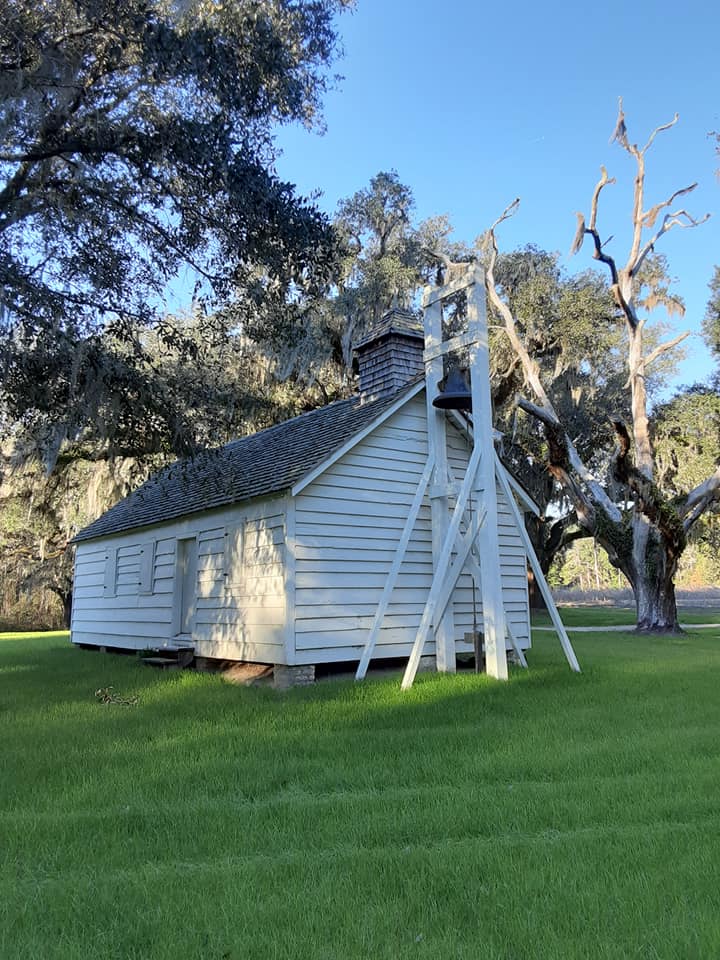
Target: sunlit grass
[
  {"x": 596, "y": 616},
  {"x": 556, "y": 816}
]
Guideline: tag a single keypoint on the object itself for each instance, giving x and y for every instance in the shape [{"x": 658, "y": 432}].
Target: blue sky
[{"x": 474, "y": 104}]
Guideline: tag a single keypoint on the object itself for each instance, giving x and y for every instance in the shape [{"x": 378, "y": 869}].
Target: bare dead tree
[{"x": 643, "y": 532}]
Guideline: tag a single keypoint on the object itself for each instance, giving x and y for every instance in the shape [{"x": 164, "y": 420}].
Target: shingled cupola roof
[{"x": 391, "y": 354}]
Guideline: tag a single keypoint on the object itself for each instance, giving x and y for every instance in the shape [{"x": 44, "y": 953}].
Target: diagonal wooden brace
[{"x": 395, "y": 568}]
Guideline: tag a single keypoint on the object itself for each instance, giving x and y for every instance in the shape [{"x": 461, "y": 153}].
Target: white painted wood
[
  {"x": 232, "y": 646},
  {"x": 512, "y": 559},
  {"x": 147, "y": 568},
  {"x": 341, "y": 565},
  {"x": 232, "y": 556},
  {"x": 481, "y": 473},
  {"x": 463, "y": 549},
  {"x": 444, "y": 627},
  {"x": 522, "y": 495},
  {"x": 540, "y": 577},
  {"x": 395, "y": 567},
  {"x": 128, "y": 615},
  {"x": 432, "y": 294},
  {"x": 484, "y": 489},
  {"x": 354, "y": 441},
  {"x": 440, "y": 571},
  {"x": 134, "y": 640},
  {"x": 382, "y": 463},
  {"x": 515, "y": 645},
  {"x": 313, "y": 580},
  {"x": 110, "y": 574},
  {"x": 242, "y": 614},
  {"x": 290, "y": 575},
  {"x": 454, "y": 344},
  {"x": 359, "y": 543},
  {"x": 366, "y": 536},
  {"x": 122, "y": 619},
  {"x": 186, "y": 587}
]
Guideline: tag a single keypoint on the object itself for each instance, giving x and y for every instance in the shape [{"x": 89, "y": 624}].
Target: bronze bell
[{"x": 454, "y": 391}]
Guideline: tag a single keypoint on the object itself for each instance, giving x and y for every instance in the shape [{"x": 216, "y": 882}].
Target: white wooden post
[
  {"x": 473, "y": 563},
  {"x": 485, "y": 493},
  {"x": 537, "y": 570},
  {"x": 441, "y": 575},
  {"x": 439, "y": 504},
  {"x": 395, "y": 568}
]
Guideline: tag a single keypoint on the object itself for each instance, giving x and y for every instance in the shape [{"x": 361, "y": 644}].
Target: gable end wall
[{"x": 347, "y": 525}]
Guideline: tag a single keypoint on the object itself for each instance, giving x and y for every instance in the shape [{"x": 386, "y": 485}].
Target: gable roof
[
  {"x": 397, "y": 321},
  {"x": 263, "y": 463}
]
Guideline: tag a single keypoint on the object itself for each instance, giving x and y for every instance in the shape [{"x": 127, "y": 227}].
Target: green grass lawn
[
  {"x": 555, "y": 816},
  {"x": 620, "y": 616}
]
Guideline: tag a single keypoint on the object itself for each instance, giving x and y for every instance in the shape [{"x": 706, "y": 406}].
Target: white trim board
[{"x": 356, "y": 438}]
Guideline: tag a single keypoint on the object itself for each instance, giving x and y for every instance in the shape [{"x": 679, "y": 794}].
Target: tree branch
[
  {"x": 546, "y": 412},
  {"x": 561, "y": 536},
  {"x": 657, "y": 130},
  {"x": 699, "y": 499},
  {"x": 564, "y": 457},
  {"x": 678, "y": 218},
  {"x": 650, "y": 217},
  {"x": 603, "y": 182},
  {"x": 663, "y": 348},
  {"x": 648, "y": 499}
]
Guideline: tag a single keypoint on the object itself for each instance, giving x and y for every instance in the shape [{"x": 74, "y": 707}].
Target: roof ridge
[
  {"x": 259, "y": 464},
  {"x": 284, "y": 423}
]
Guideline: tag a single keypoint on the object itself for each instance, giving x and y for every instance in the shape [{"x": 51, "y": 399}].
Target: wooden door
[{"x": 187, "y": 581}]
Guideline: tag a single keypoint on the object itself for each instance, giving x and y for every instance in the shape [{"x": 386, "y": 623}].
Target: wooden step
[{"x": 162, "y": 663}]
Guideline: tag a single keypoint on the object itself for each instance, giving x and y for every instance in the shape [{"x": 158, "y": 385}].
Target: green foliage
[
  {"x": 56, "y": 484},
  {"x": 711, "y": 321},
  {"x": 686, "y": 439},
  {"x": 700, "y": 563},
  {"x": 387, "y": 259},
  {"x": 135, "y": 142},
  {"x": 586, "y": 567},
  {"x": 353, "y": 820}
]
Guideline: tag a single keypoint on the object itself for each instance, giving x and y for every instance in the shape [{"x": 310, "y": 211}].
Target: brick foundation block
[{"x": 285, "y": 677}]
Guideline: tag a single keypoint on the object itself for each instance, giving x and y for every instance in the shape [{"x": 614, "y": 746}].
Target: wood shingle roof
[{"x": 264, "y": 463}]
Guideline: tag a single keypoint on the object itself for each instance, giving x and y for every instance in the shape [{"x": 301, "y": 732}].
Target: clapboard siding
[
  {"x": 347, "y": 525},
  {"x": 295, "y": 579},
  {"x": 235, "y": 617},
  {"x": 513, "y": 559},
  {"x": 240, "y": 612}
]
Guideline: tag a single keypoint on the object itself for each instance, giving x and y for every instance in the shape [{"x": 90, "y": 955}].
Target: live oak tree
[
  {"x": 234, "y": 390},
  {"x": 711, "y": 320},
  {"x": 387, "y": 257},
  {"x": 643, "y": 529},
  {"x": 135, "y": 151},
  {"x": 567, "y": 324}
]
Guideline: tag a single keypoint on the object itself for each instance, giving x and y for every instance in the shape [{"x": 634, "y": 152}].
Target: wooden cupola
[{"x": 391, "y": 354}]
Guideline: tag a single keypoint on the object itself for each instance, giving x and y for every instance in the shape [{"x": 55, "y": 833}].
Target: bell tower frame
[
  {"x": 478, "y": 485},
  {"x": 475, "y": 549}
]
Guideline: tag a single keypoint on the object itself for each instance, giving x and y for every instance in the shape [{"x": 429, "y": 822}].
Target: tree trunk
[
  {"x": 656, "y": 607},
  {"x": 535, "y": 597},
  {"x": 653, "y": 582},
  {"x": 534, "y": 527},
  {"x": 66, "y": 599}
]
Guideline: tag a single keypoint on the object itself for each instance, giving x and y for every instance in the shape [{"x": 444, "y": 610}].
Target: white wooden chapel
[{"x": 374, "y": 527}]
